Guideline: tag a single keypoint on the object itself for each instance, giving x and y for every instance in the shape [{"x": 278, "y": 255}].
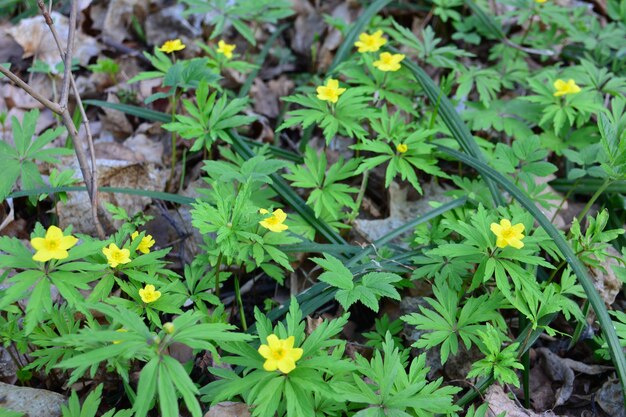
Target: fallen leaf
[
  {"x": 228, "y": 409},
  {"x": 35, "y": 38}
]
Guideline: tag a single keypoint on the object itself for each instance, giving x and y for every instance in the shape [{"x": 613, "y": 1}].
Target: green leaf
[{"x": 336, "y": 273}]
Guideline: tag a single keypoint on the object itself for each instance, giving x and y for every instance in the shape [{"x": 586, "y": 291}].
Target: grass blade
[
  {"x": 452, "y": 120},
  {"x": 606, "y": 324},
  {"x": 157, "y": 195},
  {"x": 157, "y": 116}
]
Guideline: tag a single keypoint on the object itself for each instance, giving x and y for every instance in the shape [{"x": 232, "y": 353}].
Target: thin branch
[
  {"x": 89, "y": 175},
  {"x": 54, "y": 107},
  {"x": 69, "y": 49}
]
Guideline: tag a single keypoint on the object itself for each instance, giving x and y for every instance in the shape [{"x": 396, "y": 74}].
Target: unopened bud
[{"x": 169, "y": 327}]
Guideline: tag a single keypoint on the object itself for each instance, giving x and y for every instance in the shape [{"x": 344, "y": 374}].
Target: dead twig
[{"x": 91, "y": 180}]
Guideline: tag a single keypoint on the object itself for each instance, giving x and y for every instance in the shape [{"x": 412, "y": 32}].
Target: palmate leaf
[
  {"x": 446, "y": 322},
  {"x": 19, "y": 161},
  {"x": 345, "y": 118},
  {"x": 210, "y": 118}
]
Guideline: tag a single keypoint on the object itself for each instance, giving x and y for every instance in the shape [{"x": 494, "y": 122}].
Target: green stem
[
  {"x": 530, "y": 25},
  {"x": 580, "y": 326},
  {"x": 244, "y": 326},
  {"x": 525, "y": 360},
  {"x": 173, "y": 101},
  {"x": 594, "y": 197},
  {"x": 360, "y": 196},
  {"x": 217, "y": 274},
  {"x": 567, "y": 196}
]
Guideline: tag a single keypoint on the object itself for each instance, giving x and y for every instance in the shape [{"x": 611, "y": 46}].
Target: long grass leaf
[
  {"x": 157, "y": 116},
  {"x": 606, "y": 324},
  {"x": 157, "y": 195}
]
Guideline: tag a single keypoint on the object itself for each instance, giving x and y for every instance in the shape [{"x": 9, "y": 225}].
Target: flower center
[
  {"x": 117, "y": 255},
  {"x": 272, "y": 220},
  {"x": 507, "y": 233},
  {"x": 53, "y": 244},
  {"x": 279, "y": 354}
]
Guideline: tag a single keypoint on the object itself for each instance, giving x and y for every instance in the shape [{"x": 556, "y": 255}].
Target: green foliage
[
  {"x": 210, "y": 118},
  {"x": 382, "y": 326},
  {"x": 20, "y": 161},
  {"x": 329, "y": 196},
  {"x": 309, "y": 390},
  {"x": 90, "y": 406},
  {"x": 368, "y": 290},
  {"x": 448, "y": 321},
  {"x": 391, "y": 390},
  {"x": 240, "y": 15},
  {"x": 343, "y": 117},
  {"x": 499, "y": 363},
  {"x": 106, "y": 66}
]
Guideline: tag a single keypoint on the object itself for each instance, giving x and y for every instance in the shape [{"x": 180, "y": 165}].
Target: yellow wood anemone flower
[
  {"x": 562, "y": 88},
  {"x": 53, "y": 246},
  {"x": 149, "y": 294},
  {"x": 116, "y": 256},
  {"x": 275, "y": 222},
  {"x": 402, "y": 148},
  {"x": 330, "y": 91},
  {"x": 389, "y": 62},
  {"x": 540, "y": 1},
  {"x": 146, "y": 242},
  {"x": 507, "y": 234},
  {"x": 172, "y": 46},
  {"x": 280, "y": 354},
  {"x": 226, "y": 49},
  {"x": 370, "y": 43}
]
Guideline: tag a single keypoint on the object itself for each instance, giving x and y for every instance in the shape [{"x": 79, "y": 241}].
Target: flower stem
[
  {"x": 217, "y": 274},
  {"x": 594, "y": 197},
  {"x": 244, "y": 326}
]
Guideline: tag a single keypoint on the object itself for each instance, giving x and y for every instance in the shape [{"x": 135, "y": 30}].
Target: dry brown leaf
[
  {"x": 499, "y": 402},
  {"x": 35, "y": 38},
  {"x": 118, "y": 17},
  {"x": 562, "y": 370},
  {"x": 400, "y": 211},
  {"x": 228, "y": 409}
]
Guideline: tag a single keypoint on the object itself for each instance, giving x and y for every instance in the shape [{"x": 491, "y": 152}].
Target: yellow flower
[
  {"x": 370, "y": 43},
  {"x": 148, "y": 294},
  {"x": 389, "y": 62},
  {"x": 172, "y": 46},
  {"x": 115, "y": 255},
  {"x": 122, "y": 330},
  {"x": 53, "y": 246},
  {"x": 508, "y": 235},
  {"x": 402, "y": 148},
  {"x": 330, "y": 91},
  {"x": 146, "y": 242},
  {"x": 225, "y": 49},
  {"x": 280, "y": 354},
  {"x": 562, "y": 88},
  {"x": 275, "y": 222},
  {"x": 540, "y": 1}
]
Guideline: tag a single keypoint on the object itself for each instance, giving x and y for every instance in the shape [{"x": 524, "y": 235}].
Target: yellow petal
[
  {"x": 288, "y": 342},
  {"x": 286, "y": 365},
  {"x": 270, "y": 365},
  {"x": 505, "y": 223},
  {"x": 518, "y": 228},
  {"x": 42, "y": 256},
  {"x": 501, "y": 243},
  {"x": 296, "y": 353},
  {"x": 332, "y": 83},
  {"x": 265, "y": 351},
  {"x": 37, "y": 243},
  {"x": 273, "y": 342},
  {"x": 516, "y": 243},
  {"x": 54, "y": 232},
  {"x": 280, "y": 215},
  {"x": 134, "y": 235},
  {"x": 496, "y": 229},
  {"x": 68, "y": 241}
]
